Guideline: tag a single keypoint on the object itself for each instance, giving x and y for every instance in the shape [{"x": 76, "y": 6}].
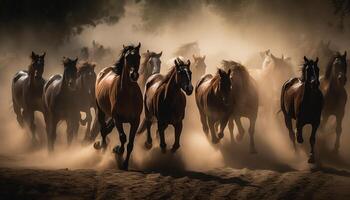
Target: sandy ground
[{"x": 223, "y": 183}]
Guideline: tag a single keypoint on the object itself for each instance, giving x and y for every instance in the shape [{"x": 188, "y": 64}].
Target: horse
[
  {"x": 302, "y": 100},
  {"x": 214, "y": 102},
  {"x": 199, "y": 67},
  {"x": 187, "y": 50},
  {"x": 245, "y": 101},
  {"x": 27, "y": 88},
  {"x": 325, "y": 53},
  {"x": 165, "y": 102},
  {"x": 151, "y": 65},
  {"x": 61, "y": 103},
  {"x": 334, "y": 92},
  {"x": 86, "y": 91},
  {"x": 119, "y": 97}
]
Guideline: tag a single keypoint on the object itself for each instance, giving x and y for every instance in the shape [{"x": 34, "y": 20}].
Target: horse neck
[
  {"x": 31, "y": 73},
  {"x": 170, "y": 84},
  {"x": 125, "y": 79}
]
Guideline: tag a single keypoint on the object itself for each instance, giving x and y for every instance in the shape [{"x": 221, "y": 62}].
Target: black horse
[
  {"x": 302, "y": 100},
  {"x": 27, "y": 87},
  {"x": 61, "y": 102}
]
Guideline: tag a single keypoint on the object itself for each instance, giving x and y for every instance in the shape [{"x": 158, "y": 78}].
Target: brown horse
[
  {"x": 199, "y": 67},
  {"x": 335, "y": 95},
  {"x": 86, "y": 92},
  {"x": 119, "y": 97},
  {"x": 151, "y": 65},
  {"x": 214, "y": 102},
  {"x": 61, "y": 103},
  {"x": 302, "y": 100},
  {"x": 245, "y": 101},
  {"x": 27, "y": 88},
  {"x": 165, "y": 102}
]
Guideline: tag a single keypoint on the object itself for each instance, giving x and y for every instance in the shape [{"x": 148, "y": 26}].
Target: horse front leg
[
  {"x": 338, "y": 130},
  {"x": 122, "y": 137},
  {"x": 51, "y": 133},
  {"x": 289, "y": 125},
  {"x": 240, "y": 128},
  {"x": 231, "y": 126},
  {"x": 251, "y": 131},
  {"x": 88, "y": 126},
  {"x": 211, "y": 124},
  {"x": 148, "y": 143},
  {"x": 133, "y": 130},
  {"x": 299, "y": 125},
  {"x": 178, "y": 130},
  {"x": 72, "y": 130},
  {"x": 312, "y": 142},
  {"x": 161, "y": 128},
  {"x": 29, "y": 119},
  {"x": 105, "y": 129},
  {"x": 223, "y": 123}
]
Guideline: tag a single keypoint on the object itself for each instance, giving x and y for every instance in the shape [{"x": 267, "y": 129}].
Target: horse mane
[
  {"x": 119, "y": 63},
  {"x": 329, "y": 66},
  {"x": 166, "y": 80}
]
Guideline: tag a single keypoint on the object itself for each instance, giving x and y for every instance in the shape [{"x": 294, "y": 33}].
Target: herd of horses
[{"x": 222, "y": 98}]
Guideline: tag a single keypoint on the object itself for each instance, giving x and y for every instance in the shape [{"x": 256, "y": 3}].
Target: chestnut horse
[
  {"x": 245, "y": 101},
  {"x": 214, "y": 102},
  {"x": 199, "y": 67},
  {"x": 119, "y": 97},
  {"x": 151, "y": 65},
  {"x": 335, "y": 95},
  {"x": 27, "y": 88},
  {"x": 86, "y": 93},
  {"x": 61, "y": 103},
  {"x": 302, "y": 100},
  {"x": 165, "y": 102}
]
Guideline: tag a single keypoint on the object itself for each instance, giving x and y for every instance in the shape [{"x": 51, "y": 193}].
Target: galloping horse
[
  {"x": 61, "y": 103},
  {"x": 214, "y": 102},
  {"x": 119, "y": 97},
  {"x": 151, "y": 65},
  {"x": 335, "y": 95},
  {"x": 199, "y": 67},
  {"x": 302, "y": 100},
  {"x": 165, "y": 102},
  {"x": 245, "y": 101},
  {"x": 27, "y": 88},
  {"x": 86, "y": 93}
]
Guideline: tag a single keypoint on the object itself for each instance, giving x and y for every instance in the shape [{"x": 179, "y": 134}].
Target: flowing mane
[
  {"x": 236, "y": 68},
  {"x": 119, "y": 63}
]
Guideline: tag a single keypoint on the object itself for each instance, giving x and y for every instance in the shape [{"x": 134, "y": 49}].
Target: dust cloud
[{"x": 220, "y": 35}]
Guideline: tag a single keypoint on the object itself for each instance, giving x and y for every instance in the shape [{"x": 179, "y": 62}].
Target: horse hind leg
[
  {"x": 18, "y": 112},
  {"x": 161, "y": 129},
  {"x": 338, "y": 131},
  {"x": 133, "y": 130},
  {"x": 240, "y": 129},
  {"x": 204, "y": 122},
  {"x": 214, "y": 138},
  {"x": 178, "y": 130},
  {"x": 299, "y": 131},
  {"x": 122, "y": 137},
  {"x": 148, "y": 142},
  {"x": 312, "y": 142},
  {"x": 29, "y": 119},
  {"x": 105, "y": 129},
  {"x": 231, "y": 126},
  {"x": 223, "y": 123},
  {"x": 72, "y": 130},
  {"x": 288, "y": 122}
]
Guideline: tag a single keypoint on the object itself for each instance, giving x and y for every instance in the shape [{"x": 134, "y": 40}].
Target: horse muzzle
[
  {"x": 188, "y": 89},
  {"x": 134, "y": 76}
]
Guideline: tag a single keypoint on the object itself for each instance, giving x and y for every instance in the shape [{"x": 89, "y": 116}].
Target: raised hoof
[
  {"x": 148, "y": 145},
  {"x": 118, "y": 150},
  {"x": 239, "y": 137},
  {"x": 175, "y": 148},
  {"x": 221, "y": 135}
]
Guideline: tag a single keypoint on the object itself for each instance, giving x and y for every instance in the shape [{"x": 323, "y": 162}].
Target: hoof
[
  {"x": 221, "y": 135},
  {"x": 300, "y": 139},
  {"x": 124, "y": 166},
  {"x": 175, "y": 148},
  {"x": 239, "y": 137},
  {"x": 97, "y": 145},
  {"x": 118, "y": 150},
  {"x": 148, "y": 145},
  {"x": 215, "y": 140}
]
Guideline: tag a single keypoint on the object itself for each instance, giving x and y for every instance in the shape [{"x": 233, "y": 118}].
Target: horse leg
[
  {"x": 231, "y": 126},
  {"x": 88, "y": 126},
  {"x": 223, "y": 123},
  {"x": 95, "y": 128},
  {"x": 240, "y": 134},
  {"x": 72, "y": 130},
  {"x": 289, "y": 125},
  {"x": 251, "y": 131},
  {"x": 122, "y": 137},
  {"x": 29, "y": 118},
  {"x": 299, "y": 131},
  {"x": 204, "y": 122},
  {"x": 214, "y": 139},
  {"x": 104, "y": 129},
  {"x": 51, "y": 137},
  {"x": 338, "y": 130},
  {"x": 148, "y": 143},
  {"x": 178, "y": 130},
  {"x": 312, "y": 142},
  {"x": 324, "y": 121},
  {"x": 161, "y": 128},
  {"x": 18, "y": 113},
  {"x": 133, "y": 130}
]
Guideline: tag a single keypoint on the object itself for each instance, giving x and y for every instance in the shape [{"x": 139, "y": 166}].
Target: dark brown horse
[
  {"x": 335, "y": 95},
  {"x": 245, "y": 101},
  {"x": 302, "y": 100},
  {"x": 27, "y": 88},
  {"x": 214, "y": 102},
  {"x": 199, "y": 67},
  {"x": 165, "y": 102},
  {"x": 61, "y": 103},
  {"x": 151, "y": 65},
  {"x": 119, "y": 97},
  {"x": 86, "y": 92}
]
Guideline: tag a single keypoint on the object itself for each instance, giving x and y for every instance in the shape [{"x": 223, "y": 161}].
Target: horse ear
[
  {"x": 220, "y": 72},
  {"x": 32, "y": 55},
  {"x": 188, "y": 62},
  {"x": 316, "y": 61},
  {"x": 305, "y": 59},
  {"x": 229, "y": 72},
  {"x": 147, "y": 51},
  {"x": 124, "y": 46},
  {"x": 138, "y": 46},
  {"x": 204, "y": 57},
  {"x": 176, "y": 63},
  {"x": 160, "y": 54},
  {"x": 43, "y": 55},
  {"x": 76, "y": 60}
]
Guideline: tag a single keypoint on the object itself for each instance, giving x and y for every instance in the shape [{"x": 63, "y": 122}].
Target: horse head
[
  {"x": 131, "y": 55},
  {"x": 87, "y": 76},
  {"x": 70, "y": 73},
  {"x": 184, "y": 75},
  {"x": 310, "y": 73},
  {"x": 224, "y": 86},
  {"x": 37, "y": 65},
  {"x": 339, "y": 68},
  {"x": 154, "y": 61}
]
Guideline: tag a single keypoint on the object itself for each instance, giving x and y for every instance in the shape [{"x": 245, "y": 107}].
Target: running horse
[
  {"x": 199, "y": 67},
  {"x": 335, "y": 95},
  {"x": 245, "y": 101},
  {"x": 151, "y": 65},
  {"x": 119, "y": 97},
  {"x": 165, "y": 102},
  {"x": 302, "y": 100},
  {"x": 214, "y": 102},
  {"x": 27, "y": 88},
  {"x": 86, "y": 92},
  {"x": 61, "y": 103}
]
